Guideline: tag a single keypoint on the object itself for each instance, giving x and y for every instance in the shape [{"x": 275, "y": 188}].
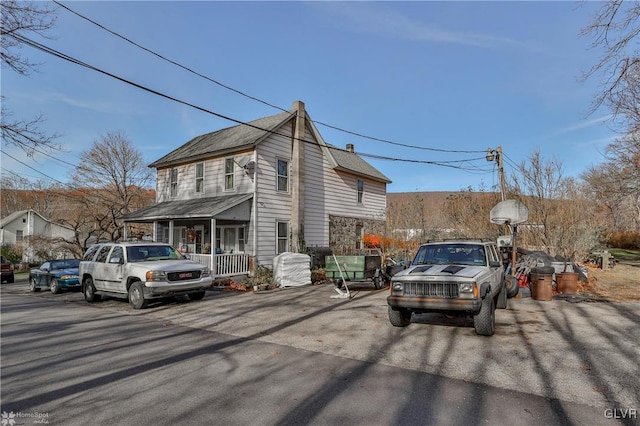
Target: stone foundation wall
[{"x": 344, "y": 236}]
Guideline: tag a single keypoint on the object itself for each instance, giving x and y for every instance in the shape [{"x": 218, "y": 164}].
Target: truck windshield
[{"x": 451, "y": 254}]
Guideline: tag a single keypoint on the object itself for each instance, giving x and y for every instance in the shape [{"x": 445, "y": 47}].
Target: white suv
[{"x": 141, "y": 271}]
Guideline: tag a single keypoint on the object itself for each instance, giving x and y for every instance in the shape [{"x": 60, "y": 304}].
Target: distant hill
[{"x": 430, "y": 200}]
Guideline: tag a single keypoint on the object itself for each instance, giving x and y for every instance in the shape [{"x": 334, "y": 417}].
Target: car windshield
[
  {"x": 65, "y": 264},
  {"x": 451, "y": 254},
  {"x": 152, "y": 252}
]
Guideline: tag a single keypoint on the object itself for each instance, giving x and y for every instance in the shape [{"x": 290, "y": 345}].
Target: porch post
[
  {"x": 212, "y": 244},
  {"x": 171, "y": 233},
  {"x": 155, "y": 230}
]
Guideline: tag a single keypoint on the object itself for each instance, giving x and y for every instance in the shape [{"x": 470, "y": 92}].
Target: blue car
[{"x": 56, "y": 275}]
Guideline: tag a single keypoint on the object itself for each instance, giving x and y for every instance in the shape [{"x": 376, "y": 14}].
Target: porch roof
[{"x": 187, "y": 209}]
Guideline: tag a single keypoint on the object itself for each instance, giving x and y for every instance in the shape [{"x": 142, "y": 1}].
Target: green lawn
[{"x": 622, "y": 254}]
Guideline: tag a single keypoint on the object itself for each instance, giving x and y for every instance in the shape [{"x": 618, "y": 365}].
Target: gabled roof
[
  {"x": 235, "y": 138},
  {"x": 352, "y": 162},
  {"x": 15, "y": 215},
  {"x": 225, "y": 140}
]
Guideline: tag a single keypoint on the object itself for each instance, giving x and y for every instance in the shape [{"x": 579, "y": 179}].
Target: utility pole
[{"x": 496, "y": 155}]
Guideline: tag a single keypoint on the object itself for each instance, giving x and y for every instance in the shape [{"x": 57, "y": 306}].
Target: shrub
[
  {"x": 12, "y": 253},
  {"x": 629, "y": 240}
]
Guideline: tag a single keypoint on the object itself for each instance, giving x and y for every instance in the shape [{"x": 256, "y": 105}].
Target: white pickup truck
[
  {"x": 461, "y": 277},
  {"x": 139, "y": 272}
]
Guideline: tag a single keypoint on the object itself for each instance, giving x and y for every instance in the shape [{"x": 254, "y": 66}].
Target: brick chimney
[{"x": 350, "y": 147}]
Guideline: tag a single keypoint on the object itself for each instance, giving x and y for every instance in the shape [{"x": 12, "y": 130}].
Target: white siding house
[
  {"x": 237, "y": 197},
  {"x": 32, "y": 231}
]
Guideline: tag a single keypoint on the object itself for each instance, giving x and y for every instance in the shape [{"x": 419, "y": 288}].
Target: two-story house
[
  {"x": 32, "y": 232},
  {"x": 237, "y": 197}
]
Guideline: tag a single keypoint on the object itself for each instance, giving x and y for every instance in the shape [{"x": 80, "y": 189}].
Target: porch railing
[{"x": 226, "y": 265}]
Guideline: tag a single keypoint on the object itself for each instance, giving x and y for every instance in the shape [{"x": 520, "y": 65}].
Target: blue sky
[{"x": 455, "y": 76}]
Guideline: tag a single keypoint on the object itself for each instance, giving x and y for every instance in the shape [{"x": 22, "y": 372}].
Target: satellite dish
[
  {"x": 512, "y": 212},
  {"x": 250, "y": 167}
]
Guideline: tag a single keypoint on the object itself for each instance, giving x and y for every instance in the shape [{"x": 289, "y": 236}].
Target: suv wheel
[
  {"x": 33, "y": 286},
  {"x": 399, "y": 317},
  {"x": 485, "y": 321},
  {"x": 513, "y": 286},
  {"x": 89, "y": 291},
  {"x": 54, "y": 286},
  {"x": 136, "y": 295}
]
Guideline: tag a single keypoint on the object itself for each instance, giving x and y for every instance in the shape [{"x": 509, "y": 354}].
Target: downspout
[
  {"x": 297, "y": 184},
  {"x": 254, "y": 216}
]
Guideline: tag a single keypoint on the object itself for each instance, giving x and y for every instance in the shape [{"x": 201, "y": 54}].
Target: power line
[
  {"x": 26, "y": 165},
  {"x": 252, "y": 97},
  {"x": 68, "y": 58}
]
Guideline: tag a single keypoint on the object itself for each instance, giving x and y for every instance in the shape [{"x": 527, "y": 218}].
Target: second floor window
[
  {"x": 360, "y": 196},
  {"x": 228, "y": 173},
  {"x": 173, "y": 182},
  {"x": 199, "y": 177},
  {"x": 283, "y": 176},
  {"x": 19, "y": 235}
]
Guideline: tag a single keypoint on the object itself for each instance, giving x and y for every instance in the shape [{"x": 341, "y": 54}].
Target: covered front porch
[{"x": 214, "y": 231}]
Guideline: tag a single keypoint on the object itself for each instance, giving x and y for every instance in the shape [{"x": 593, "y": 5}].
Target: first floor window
[
  {"x": 282, "y": 237},
  {"x": 19, "y": 235},
  {"x": 230, "y": 239}
]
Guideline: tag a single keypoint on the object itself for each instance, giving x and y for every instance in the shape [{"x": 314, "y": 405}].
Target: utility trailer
[{"x": 362, "y": 267}]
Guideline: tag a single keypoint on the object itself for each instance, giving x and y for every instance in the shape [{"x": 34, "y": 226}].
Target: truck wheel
[
  {"x": 513, "y": 286},
  {"x": 485, "y": 321},
  {"x": 33, "y": 286},
  {"x": 136, "y": 295},
  {"x": 196, "y": 296},
  {"x": 54, "y": 286},
  {"x": 399, "y": 317},
  {"x": 89, "y": 291}
]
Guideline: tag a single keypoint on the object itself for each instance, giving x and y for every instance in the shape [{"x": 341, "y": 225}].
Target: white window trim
[
  {"x": 287, "y": 248},
  {"x": 196, "y": 178},
  {"x": 171, "y": 192},
  {"x": 236, "y": 246},
  {"x": 360, "y": 195},
  {"x": 278, "y": 190},
  {"x": 232, "y": 174}
]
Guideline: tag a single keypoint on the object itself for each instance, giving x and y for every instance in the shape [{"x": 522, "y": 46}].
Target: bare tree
[
  {"x": 111, "y": 181},
  {"x": 19, "y": 193},
  {"x": 20, "y": 19},
  {"x": 616, "y": 182},
  {"x": 468, "y": 214},
  {"x": 614, "y": 28},
  {"x": 562, "y": 219}
]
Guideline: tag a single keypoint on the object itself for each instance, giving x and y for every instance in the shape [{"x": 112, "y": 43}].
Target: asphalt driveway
[{"x": 584, "y": 352}]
